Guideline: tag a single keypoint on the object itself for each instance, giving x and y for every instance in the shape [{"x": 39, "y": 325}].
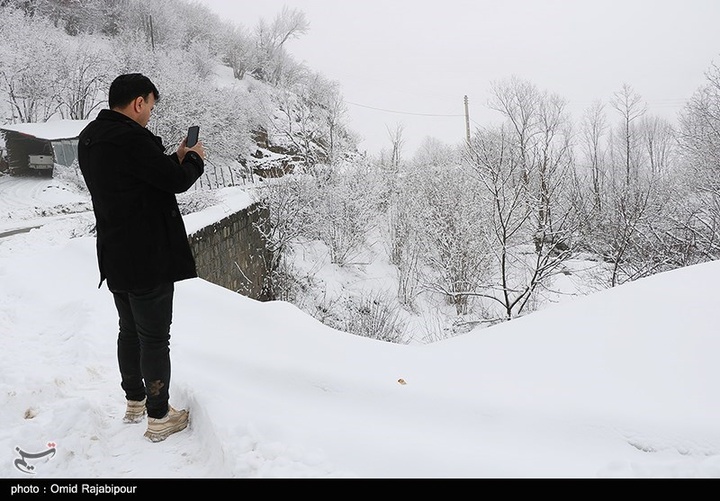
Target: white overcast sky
[{"x": 411, "y": 62}]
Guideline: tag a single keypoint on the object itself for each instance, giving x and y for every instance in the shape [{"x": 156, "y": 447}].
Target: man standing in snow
[{"x": 142, "y": 244}]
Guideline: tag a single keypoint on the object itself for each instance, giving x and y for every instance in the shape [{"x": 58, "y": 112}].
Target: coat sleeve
[{"x": 149, "y": 163}]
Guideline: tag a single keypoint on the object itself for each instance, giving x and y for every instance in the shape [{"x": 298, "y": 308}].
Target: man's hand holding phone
[{"x": 191, "y": 143}]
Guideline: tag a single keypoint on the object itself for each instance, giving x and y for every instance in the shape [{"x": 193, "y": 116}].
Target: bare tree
[
  {"x": 659, "y": 140},
  {"x": 397, "y": 142},
  {"x": 593, "y": 129},
  {"x": 518, "y": 101},
  {"x": 621, "y": 229},
  {"x": 525, "y": 168},
  {"x": 333, "y": 115},
  {"x": 271, "y": 39},
  {"x": 84, "y": 80},
  {"x": 539, "y": 125},
  {"x": 28, "y": 66},
  {"x": 236, "y": 49},
  {"x": 644, "y": 220},
  {"x": 404, "y": 233},
  {"x": 498, "y": 164},
  {"x": 296, "y": 129},
  {"x": 452, "y": 228},
  {"x": 78, "y": 16},
  {"x": 553, "y": 161},
  {"x": 347, "y": 210},
  {"x": 700, "y": 148},
  {"x": 630, "y": 106},
  {"x": 314, "y": 115},
  {"x": 286, "y": 207},
  {"x": 700, "y": 129},
  {"x": 433, "y": 152}
]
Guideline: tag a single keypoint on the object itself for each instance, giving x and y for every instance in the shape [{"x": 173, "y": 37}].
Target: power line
[
  {"x": 403, "y": 112},
  {"x": 660, "y": 103}
]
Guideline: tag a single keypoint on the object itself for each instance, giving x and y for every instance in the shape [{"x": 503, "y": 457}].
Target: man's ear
[{"x": 138, "y": 104}]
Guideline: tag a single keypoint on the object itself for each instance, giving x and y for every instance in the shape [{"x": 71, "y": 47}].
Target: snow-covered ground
[{"x": 27, "y": 201}]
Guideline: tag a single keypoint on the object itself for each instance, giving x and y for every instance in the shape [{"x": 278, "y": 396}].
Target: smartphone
[{"x": 192, "y": 136}]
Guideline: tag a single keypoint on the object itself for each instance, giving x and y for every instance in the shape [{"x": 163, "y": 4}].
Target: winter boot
[
  {"x": 161, "y": 428},
  {"x": 135, "y": 411}
]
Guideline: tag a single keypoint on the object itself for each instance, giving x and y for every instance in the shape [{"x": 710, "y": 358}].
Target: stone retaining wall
[{"x": 232, "y": 253}]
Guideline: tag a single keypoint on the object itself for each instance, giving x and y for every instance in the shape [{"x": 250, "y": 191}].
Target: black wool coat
[{"x": 141, "y": 237}]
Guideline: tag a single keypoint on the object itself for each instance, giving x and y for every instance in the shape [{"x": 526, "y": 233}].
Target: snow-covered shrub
[
  {"x": 347, "y": 208},
  {"x": 404, "y": 247},
  {"x": 377, "y": 317},
  {"x": 70, "y": 176},
  {"x": 448, "y": 219},
  {"x": 287, "y": 217},
  {"x": 196, "y": 200}
]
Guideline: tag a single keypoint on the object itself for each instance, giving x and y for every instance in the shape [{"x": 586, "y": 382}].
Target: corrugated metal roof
[{"x": 51, "y": 130}]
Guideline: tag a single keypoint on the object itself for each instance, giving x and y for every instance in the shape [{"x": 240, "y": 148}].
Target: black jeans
[{"x": 144, "y": 345}]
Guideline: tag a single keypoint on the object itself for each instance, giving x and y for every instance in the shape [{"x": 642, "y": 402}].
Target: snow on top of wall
[{"x": 231, "y": 200}]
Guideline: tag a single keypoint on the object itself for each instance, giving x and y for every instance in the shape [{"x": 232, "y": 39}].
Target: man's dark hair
[{"x": 125, "y": 88}]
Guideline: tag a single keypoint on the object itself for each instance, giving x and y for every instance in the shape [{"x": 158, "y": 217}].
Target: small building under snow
[{"x": 37, "y": 147}]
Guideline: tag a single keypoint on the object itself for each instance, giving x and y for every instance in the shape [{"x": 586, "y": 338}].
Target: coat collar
[{"x": 115, "y": 116}]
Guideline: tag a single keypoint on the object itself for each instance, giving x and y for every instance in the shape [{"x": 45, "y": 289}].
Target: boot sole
[{"x": 133, "y": 419}]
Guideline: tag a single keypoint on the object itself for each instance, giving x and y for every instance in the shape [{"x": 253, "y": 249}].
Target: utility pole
[
  {"x": 149, "y": 31},
  {"x": 467, "y": 121},
  {"x": 152, "y": 35}
]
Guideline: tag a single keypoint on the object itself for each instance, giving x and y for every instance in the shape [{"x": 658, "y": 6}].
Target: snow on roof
[{"x": 51, "y": 130}]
